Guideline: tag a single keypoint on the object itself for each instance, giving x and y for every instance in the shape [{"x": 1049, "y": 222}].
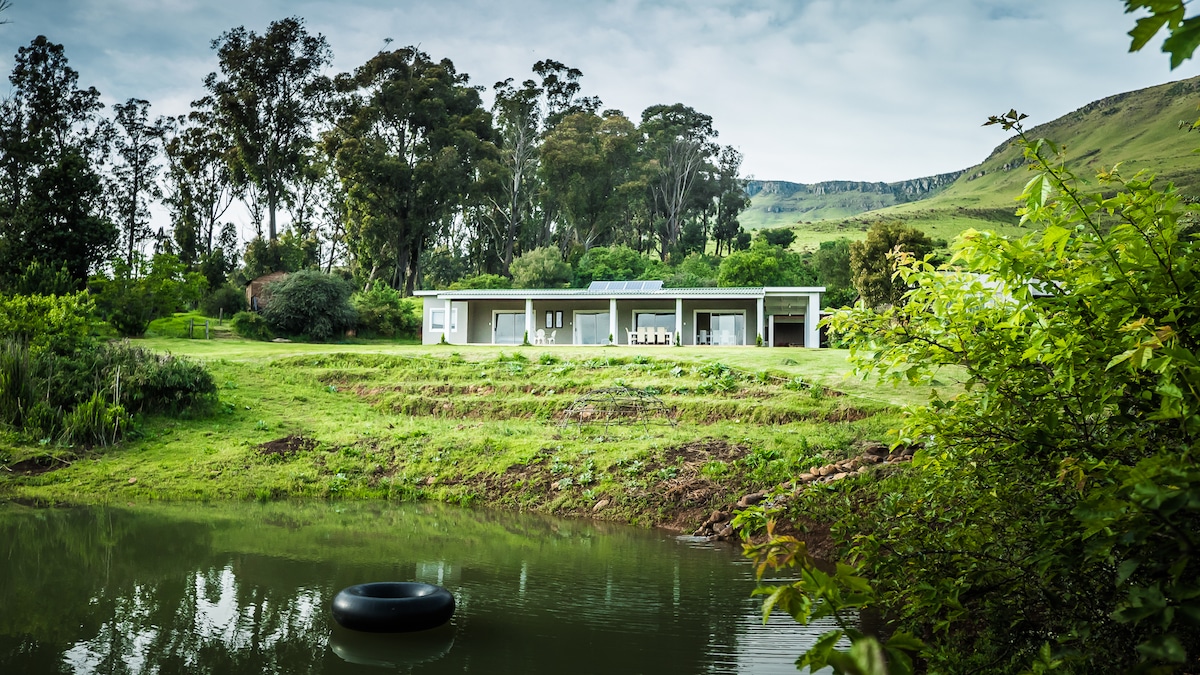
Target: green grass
[{"x": 481, "y": 425}]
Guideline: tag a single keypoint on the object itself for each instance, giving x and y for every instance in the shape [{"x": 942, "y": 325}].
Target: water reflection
[{"x": 246, "y": 589}]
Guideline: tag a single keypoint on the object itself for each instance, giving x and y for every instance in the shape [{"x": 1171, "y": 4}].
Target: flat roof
[{"x": 622, "y": 293}]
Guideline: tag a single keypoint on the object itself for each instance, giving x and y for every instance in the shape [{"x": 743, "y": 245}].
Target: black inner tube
[{"x": 392, "y": 607}]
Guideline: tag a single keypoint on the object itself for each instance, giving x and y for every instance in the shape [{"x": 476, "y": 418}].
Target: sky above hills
[{"x": 807, "y": 90}]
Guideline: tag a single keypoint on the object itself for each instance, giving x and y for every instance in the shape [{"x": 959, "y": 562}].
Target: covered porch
[{"x": 624, "y": 316}]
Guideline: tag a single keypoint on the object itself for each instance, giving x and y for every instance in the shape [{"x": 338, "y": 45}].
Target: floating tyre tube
[{"x": 392, "y": 607}]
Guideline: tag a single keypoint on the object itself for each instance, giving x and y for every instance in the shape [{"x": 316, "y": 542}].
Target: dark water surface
[{"x": 245, "y": 588}]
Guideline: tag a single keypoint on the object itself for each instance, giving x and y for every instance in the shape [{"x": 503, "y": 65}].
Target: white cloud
[{"x": 817, "y": 90}]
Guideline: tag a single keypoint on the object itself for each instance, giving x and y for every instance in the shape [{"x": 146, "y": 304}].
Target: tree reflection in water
[{"x": 245, "y": 588}]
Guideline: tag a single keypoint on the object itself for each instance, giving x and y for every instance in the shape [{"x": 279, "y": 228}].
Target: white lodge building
[{"x": 630, "y": 312}]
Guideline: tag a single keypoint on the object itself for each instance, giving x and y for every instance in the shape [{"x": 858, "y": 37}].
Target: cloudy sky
[{"x": 808, "y": 90}]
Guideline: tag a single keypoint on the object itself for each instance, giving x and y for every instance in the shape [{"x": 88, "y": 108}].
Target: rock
[
  {"x": 825, "y": 470},
  {"x": 725, "y": 532},
  {"x": 600, "y": 505},
  {"x": 873, "y": 459},
  {"x": 805, "y": 477},
  {"x": 874, "y": 449},
  {"x": 716, "y": 517},
  {"x": 281, "y": 340},
  {"x": 838, "y": 476},
  {"x": 132, "y": 481},
  {"x": 750, "y": 499},
  {"x": 431, "y": 480}
]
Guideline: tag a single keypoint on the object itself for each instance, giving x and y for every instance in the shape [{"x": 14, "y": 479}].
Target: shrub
[
  {"x": 309, "y": 303},
  {"x": 250, "y": 326},
  {"x": 95, "y": 423},
  {"x": 156, "y": 383},
  {"x": 540, "y": 268},
  {"x": 47, "y": 323},
  {"x": 227, "y": 299},
  {"x": 383, "y": 312},
  {"x": 135, "y": 296},
  {"x": 1051, "y": 515},
  {"x": 16, "y": 383},
  {"x": 481, "y": 281}
]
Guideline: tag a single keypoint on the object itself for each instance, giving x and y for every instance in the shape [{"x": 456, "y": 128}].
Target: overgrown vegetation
[
  {"x": 1050, "y": 520},
  {"x": 62, "y": 385}
]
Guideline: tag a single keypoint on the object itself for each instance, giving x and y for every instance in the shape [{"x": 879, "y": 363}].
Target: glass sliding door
[
  {"x": 508, "y": 328},
  {"x": 591, "y": 328},
  {"x": 720, "y": 328}
]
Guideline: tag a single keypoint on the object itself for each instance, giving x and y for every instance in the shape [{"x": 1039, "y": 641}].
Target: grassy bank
[{"x": 478, "y": 425}]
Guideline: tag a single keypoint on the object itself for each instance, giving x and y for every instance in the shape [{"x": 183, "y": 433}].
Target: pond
[{"x": 246, "y": 588}]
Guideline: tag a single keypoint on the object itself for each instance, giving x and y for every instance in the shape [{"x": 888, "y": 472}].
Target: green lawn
[{"x": 481, "y": 424}]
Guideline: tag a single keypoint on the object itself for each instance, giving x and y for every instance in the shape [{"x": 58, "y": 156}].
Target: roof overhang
[{"x": 772, "y": 292}]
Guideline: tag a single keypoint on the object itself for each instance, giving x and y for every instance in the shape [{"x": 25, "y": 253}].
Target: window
[
  {"x": 549, "y": 319},
  {"x": 437, "y": 319},
  {"x": 558, "y": 319}
]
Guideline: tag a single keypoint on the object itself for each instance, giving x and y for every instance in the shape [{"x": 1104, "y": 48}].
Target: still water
[{"x": 245, "y": 588}]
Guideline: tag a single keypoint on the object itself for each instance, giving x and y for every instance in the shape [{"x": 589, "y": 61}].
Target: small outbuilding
[{"x": 255, "y": 290}]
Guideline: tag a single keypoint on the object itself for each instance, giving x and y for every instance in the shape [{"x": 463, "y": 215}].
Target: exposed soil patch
[
  {"x": 36, "y": 466},
  {"x": 287, "y": 445}
]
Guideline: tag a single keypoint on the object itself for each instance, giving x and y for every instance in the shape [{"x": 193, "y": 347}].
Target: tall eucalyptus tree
[
  {"x": 51, "y": 194},
  {"x": 408, "y": 142},
  {"x": 266, "y": 99},
  {"x": 135, "y": 175},
  {"x": 679, "y": 144}
]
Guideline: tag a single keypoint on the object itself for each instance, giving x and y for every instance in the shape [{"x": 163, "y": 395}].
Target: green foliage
[
  {"x": 383, "y": 312},
  {"x": 46, "y": 323},
  {"x": 16, "y": 383},
  {"x": 251, "y": 326},
  {"x": 616, "y": 263},
  {"x": 95, "y": 422},
  {"x": 226, "y": 300},
  {"x": 817, "y": 595},
  {"x": 481, "y": 281},
  {"x": 765, "y": 265},
  {"x": 781, "y": 236},
  {"x": 135, "y": 295},
  {"x": 1052, "y": 512},
  {"x": 149, "y": 382},
  {"x": 1183, "y": 33},
  {"x": 43, "y": 279},
  {"x": 872, "y": 262},
  {"x": 288, "y": 253},
  {"x": 310, "y": 303},
  {"x": 43, "y": 392},
  {"x": 540, "y": 268}
]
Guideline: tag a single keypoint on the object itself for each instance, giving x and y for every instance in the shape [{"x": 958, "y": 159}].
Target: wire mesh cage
[{"x": 618, "y": 405}]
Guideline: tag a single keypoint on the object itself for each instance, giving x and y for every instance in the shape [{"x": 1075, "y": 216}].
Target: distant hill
[
  {"x": 776, "y": 203},
  {"x": 1139, "y": 129}
]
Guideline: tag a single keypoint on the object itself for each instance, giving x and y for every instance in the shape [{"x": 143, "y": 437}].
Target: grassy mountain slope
[{"x": 1139, "y": 129}]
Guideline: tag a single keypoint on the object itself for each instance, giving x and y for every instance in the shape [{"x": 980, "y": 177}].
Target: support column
[
  {"x": 812, "y": 337},
  {"x": 529, "y": 318},
  {"x": 761, "y": 333},
  {"x": 612, "y": 321},
  {"x": 678, "y": 321},
  {"x": 446, "y": 325},
  {"x": 771, "y": 331}
]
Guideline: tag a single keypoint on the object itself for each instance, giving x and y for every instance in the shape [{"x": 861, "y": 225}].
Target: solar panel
[{"x": 611, "y": 286}]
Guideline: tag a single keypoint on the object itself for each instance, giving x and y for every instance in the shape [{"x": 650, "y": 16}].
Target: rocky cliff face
[{"x": 902, "y": 191}]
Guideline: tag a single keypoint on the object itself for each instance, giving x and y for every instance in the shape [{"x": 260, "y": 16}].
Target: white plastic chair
[
  {"x": 539, "y": 337},
  {"x": 550, "y": 340},
  {"x": 703, "y": 337}
]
